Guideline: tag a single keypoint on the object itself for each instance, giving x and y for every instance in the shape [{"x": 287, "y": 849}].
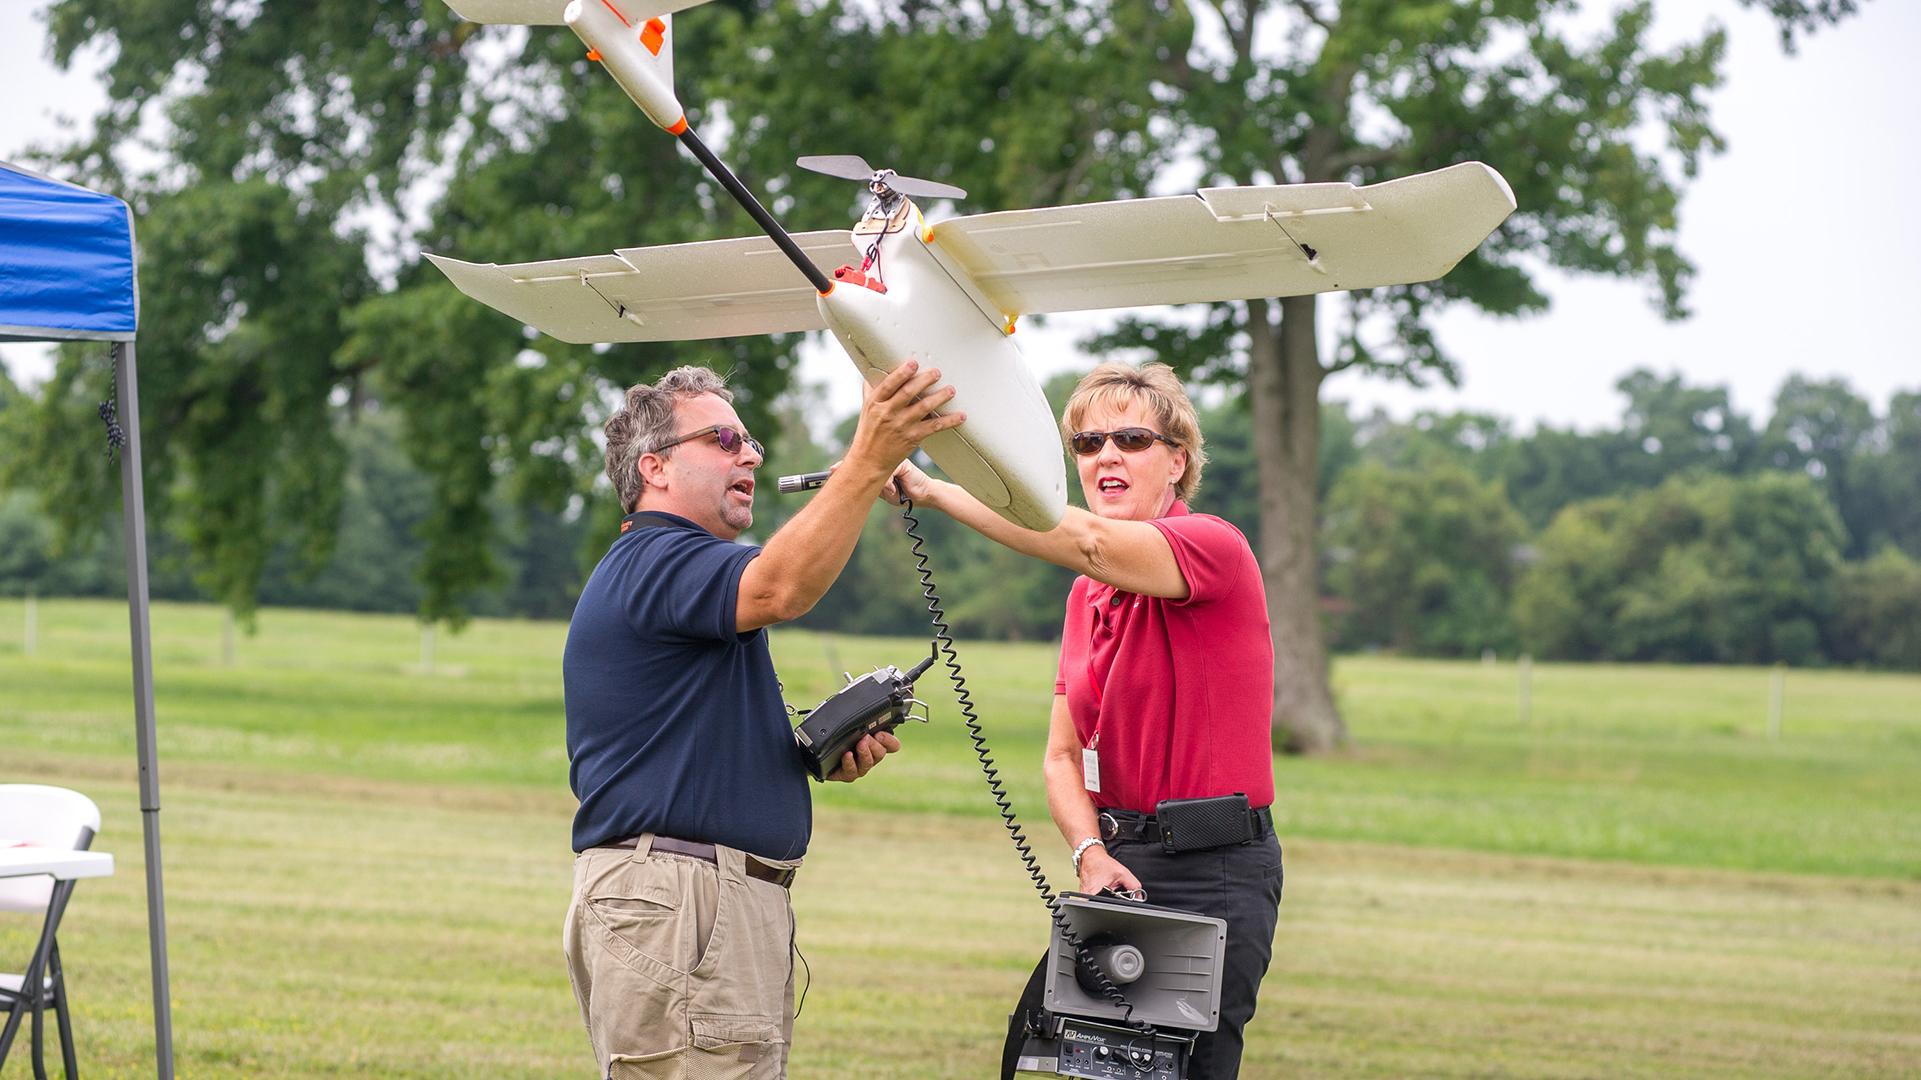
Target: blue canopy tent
[{"x": 67, "y": 274}]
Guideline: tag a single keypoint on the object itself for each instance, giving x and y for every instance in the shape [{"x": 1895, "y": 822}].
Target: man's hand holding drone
[{"x": 897, "y": 415}]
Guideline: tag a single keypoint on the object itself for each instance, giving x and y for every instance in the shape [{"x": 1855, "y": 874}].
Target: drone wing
[
  {"x": 679, "y": 292},
  {"x": 1234, "y": 243}
]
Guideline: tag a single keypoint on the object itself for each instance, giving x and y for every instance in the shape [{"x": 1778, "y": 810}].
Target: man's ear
[{"x": 652, "y": 469}]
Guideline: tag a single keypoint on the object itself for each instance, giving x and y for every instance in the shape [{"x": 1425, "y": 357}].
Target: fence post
[
  {"x": 427, "y": 648},
  {"x": 33, "y": 622},
  {"x": 1527, "y": 690},
  {"x": 1775, "y": 686},
  {"x": 226, "y": 639}
]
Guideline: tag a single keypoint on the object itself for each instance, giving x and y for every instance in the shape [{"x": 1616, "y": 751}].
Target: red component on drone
[{"x": 855, "y": 277}]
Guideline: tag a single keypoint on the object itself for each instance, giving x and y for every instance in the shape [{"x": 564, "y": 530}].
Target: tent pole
[{"x": 134, "y": 511}]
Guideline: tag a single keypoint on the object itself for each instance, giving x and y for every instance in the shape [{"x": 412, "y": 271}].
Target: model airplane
[{"x": 948, "y": 294}]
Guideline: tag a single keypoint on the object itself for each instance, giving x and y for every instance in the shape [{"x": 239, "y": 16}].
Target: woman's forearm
[
  {"x": 1130, "y": 555},
  {"x": 1067, "y": 798},
  {"x": 1068, "y": 801},
  {"x": 1063, "y": 545}
]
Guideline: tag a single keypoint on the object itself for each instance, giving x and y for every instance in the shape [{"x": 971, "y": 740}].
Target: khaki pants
[{"x": 683, "y": 968}]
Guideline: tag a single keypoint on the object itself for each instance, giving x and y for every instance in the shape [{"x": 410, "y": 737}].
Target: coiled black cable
[{"x": 944, "y": 645}]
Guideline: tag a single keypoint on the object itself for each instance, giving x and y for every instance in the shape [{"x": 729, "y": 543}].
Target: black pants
[{"x": 1241, "y": 884}]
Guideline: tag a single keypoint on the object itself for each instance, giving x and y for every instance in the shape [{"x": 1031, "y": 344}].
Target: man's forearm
[{"x": 808, "y": 553}]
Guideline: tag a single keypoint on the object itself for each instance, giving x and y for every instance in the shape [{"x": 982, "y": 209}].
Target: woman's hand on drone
[{"x": 911, "y": 483}]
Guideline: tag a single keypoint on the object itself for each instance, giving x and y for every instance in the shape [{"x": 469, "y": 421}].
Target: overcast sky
[{"x": 1806, "y": 236}]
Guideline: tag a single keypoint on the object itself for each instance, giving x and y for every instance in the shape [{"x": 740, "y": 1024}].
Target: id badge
[{"x": 1090, "y": 770}]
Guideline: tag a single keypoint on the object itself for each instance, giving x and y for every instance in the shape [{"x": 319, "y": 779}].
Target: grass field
[{"x": 367, "y": 864}]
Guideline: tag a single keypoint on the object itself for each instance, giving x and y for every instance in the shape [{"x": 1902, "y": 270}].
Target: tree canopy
[{"x": 296, "y": 158}]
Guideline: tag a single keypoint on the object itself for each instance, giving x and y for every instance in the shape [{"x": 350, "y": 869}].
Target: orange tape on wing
[{"x": 653, "y": 35}]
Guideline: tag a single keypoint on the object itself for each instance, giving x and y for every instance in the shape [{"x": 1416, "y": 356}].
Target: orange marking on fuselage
[{"x": 610, "y": 7}]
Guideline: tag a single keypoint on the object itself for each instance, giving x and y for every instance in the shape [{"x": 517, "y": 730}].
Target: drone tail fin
[{"x": 633, "y": 39}]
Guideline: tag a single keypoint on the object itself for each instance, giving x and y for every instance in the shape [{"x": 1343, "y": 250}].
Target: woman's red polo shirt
[{"x": 1177, "y": 692}]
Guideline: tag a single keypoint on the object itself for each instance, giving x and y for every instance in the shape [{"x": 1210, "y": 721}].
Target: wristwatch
[{"x": 1081, "y": 849}]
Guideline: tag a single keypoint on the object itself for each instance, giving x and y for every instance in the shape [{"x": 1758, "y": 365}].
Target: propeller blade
[
  {"x": 844, "y": 166},
  {"x": 916, "y": 188}
]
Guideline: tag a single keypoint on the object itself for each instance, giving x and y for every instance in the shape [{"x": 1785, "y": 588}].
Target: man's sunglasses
[
  {"x": 729, "y": 439},
  {"x": 1130, "y": 439}
]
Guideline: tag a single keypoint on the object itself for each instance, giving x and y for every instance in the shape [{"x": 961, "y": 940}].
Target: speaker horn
[{"x": 1165, "y": 962}]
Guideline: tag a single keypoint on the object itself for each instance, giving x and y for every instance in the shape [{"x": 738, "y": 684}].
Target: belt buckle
[{"x": 1110, "y": 826}]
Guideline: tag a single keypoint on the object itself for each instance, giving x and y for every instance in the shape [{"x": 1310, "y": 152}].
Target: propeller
[{"x": 854, "y": 167}]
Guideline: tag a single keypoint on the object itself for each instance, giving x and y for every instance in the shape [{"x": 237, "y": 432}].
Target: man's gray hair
[{"x": 647, "y": 420}]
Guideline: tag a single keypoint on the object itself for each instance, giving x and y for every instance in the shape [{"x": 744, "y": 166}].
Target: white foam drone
[{"x": 948, "y": 293}]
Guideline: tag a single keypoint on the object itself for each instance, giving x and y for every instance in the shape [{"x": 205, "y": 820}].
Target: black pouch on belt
[{"x": 1196, "y": 824}]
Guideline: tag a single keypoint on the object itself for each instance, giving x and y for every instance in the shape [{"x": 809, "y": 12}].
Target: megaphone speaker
[{"x": 1164, "y": 961}]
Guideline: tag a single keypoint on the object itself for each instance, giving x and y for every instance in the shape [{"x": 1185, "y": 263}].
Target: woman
[{"x": 1166, "y": 677}]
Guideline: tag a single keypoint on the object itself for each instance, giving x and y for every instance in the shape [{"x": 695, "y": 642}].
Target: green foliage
[
  {"x": 25, "y": 540},
  {"x": 1825, "y": 430},
  {"x": 1891, "y": 480},
  {"x": 1231, "y": 486},
  {"x": 298, "y": 146},
  {"x": 1425, "y": 558},
  {"x": 1878, "y": 612},
  {"x": 1710, "y": 569},
  {"x": 294, "y": 137},
  {"x": 1555, "y": 467}
]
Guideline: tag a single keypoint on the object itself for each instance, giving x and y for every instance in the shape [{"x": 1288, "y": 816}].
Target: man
[{"x": 694, "y": 807}]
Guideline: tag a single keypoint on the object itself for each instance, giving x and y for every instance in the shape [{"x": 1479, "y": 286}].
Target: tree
[
  {"x": 1823, "y": 429},
  {"x": 1701, "y": 569},
  {"x": 1669, "y": 428},
  {"x": 1316, "y": 91},
  {"x": 1889, "y": 482},
  {"x": 1425, "y": 556},
  {"x": 1555, "y": 467},
  {"x": 1232, "y": 482},
  {"x": 350, "y": 107},
  {"x": 1877, "y": 612}
]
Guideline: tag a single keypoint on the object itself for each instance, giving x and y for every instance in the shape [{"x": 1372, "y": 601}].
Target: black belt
[
  {"x": 1136, "y": 825},
  {"x": 782, "y": 876}
]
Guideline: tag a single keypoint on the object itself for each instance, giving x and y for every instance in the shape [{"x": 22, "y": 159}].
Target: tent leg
[{"x": 134, "y": 510}]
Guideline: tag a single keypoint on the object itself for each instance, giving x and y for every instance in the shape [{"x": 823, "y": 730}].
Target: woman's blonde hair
[{"x": 1114, "y": 385}]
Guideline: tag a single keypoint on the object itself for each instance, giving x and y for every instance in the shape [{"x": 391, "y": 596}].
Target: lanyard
[
  {"x": 651, "y": 519},
  {"x": 1104, "y": 609}
]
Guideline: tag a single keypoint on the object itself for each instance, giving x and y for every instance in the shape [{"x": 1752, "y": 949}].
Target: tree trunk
[{"x": 1284, "y": 380}]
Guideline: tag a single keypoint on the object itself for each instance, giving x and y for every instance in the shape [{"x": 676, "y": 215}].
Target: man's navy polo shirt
[{"x": 675, "y": 724}]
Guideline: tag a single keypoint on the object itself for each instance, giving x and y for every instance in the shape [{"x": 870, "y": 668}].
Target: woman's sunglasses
[
  {"x": 729, "y": 439},
  {"x": 1130, "y": 439}
]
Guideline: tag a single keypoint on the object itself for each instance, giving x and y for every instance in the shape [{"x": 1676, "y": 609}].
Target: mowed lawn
[{"x": 367, "y": 863}]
